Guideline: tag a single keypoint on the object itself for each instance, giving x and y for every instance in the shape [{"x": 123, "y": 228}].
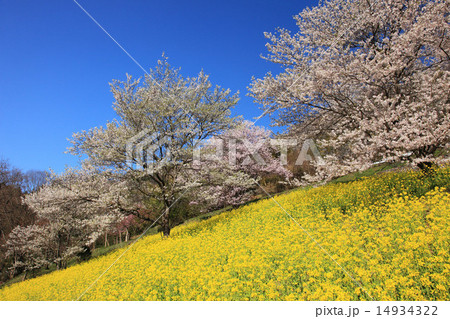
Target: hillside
[{"x": 390, "y": 232}]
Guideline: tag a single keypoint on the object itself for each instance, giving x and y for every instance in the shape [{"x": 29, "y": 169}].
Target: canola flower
[{"x": 390, "y": 232}]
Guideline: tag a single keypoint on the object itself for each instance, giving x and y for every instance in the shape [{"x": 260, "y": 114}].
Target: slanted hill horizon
[{"x": 380, "y": 238}]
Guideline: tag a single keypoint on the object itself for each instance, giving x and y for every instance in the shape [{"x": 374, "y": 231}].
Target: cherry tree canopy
[
  {"x": 74, "y": 208},
  {"x": 369, "y": 79},
  {"x": 160, "y": 121},
  {"x": 232, "y": 165}
]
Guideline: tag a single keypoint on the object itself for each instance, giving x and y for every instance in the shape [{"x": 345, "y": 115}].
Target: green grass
[{"x": 367, "y": 173}]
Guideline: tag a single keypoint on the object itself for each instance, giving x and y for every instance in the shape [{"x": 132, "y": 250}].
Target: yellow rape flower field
[{"x": 390, "y": 232}]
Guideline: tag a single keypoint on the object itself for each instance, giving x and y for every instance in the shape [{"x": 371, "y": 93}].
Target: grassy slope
[
  {"x": 389, "y": 231},
  {"x": 100, "y": 251}
]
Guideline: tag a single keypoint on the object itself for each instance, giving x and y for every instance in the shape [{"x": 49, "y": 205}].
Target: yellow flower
[{"x": 391, "y": 241}]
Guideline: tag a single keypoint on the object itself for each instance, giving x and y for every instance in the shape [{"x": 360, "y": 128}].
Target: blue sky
[{"x": 55, "y": 63}]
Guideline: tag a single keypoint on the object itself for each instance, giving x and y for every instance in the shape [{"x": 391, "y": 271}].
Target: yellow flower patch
[{"x": 392, "y": 242}]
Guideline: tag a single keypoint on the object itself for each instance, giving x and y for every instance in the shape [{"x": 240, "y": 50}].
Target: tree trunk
[
  {"x": 127, "y": 234},
  {"x": 165, "y": 222},
  {"x": 106, "y": 240},
  {"x": 59, "y": 252},
  {"x": 24, "y": 275}
]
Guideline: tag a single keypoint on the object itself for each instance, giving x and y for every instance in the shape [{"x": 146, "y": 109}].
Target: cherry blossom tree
[
  {"x": 368, "y": 79},
  {"x": 13, "y": 212},
  {"x": 123, "y": 226},
  {"x": 160, "y": 119},
  {"x": 28, "y": 248},
  {"x": 233, "y": 164},
  {"x": 77, "y": 207}
]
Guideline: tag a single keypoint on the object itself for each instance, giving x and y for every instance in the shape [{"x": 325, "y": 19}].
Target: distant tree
[
  {"x": 369, "y": 79},
  {"x": 160, "y": 121},
  {"x": 122, "y": 227},
  {"x": 27, "y": 246},
  {"x": 27, "y": 182},
  {"x": 10, "y": 176},
  {"x": 33, "y": 179},
  {"x": 77, "y": 207},
  {"x": 12, "y": 211}
]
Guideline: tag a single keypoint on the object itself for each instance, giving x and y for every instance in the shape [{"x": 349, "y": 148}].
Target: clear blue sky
[{"x": 55, "y": 63}]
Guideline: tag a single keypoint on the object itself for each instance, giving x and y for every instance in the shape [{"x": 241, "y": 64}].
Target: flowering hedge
[{"x": 390, "y": 232}]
